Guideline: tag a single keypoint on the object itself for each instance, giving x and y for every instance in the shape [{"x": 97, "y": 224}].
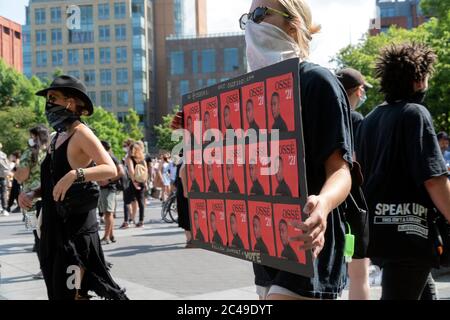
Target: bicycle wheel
[{"x": 173, "y": 209}]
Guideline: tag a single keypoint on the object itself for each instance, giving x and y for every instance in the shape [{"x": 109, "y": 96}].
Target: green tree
[
  {"x": 164, "y": 132},
  {"x": 106, "y": 127},
  {"x": 132, "y": 127},
  {"x": 434, "y": 33}
]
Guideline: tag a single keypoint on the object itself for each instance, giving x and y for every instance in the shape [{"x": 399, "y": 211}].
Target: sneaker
[
  {"x": 38, "y": 276},
  {"x": 104, "y": 242},
  {"x": 139, "y": 225},
  {"x": 5, "y": 212},
  {"x": 16, "y": 210},
  {"x": 124, "y": 226}
]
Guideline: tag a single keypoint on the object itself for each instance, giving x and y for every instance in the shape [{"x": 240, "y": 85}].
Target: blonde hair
[
  {"x": 302, "y": 22},
  {"x": 137, "y": 152}
]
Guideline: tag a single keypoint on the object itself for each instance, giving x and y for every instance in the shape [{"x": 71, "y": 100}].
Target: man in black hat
[
  {"x": 72, "y": 259},
  {"x": 356, "y": 87}
]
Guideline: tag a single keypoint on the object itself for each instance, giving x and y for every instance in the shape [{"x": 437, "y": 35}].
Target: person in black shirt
[
  {"x": 212, "y": 184},
  {"x": 259, "y": 244},
  {"x": 194, "y": 185},
  {"x": 207, "y": 126},
  {"x": 198, "y": 232},
  {"x": 405, "y": 176},
  {"x": 251, "y": 116},
  {"x": 216, "y": 238},
  {"x": 233, "y": 186},
  {"x": 287, "y": 252},
  {"x": 190, "y": 128},
  {"x": 283, "y": 188},
  {"x": 278, "y": 123},
  {"x": 227, "y": 118},
  {"x": 237, "y": 241},
  {"x": 257, "y": 188}
]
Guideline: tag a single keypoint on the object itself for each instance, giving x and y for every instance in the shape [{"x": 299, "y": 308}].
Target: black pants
[
  {"x": 407, "y": 281},
  {"x": 139, "y": 196},
  {"x": 14, "y": 194},
  {"x": 3, "y": 192}
]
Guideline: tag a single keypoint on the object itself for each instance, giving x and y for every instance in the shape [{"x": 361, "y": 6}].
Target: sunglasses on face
[{"x": 258, "y": 15}]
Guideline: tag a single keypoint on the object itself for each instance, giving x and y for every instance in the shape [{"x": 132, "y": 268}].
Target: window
[
  {"x": 119, "y": 10},
  {"x": 89, "y": 56},
  {"x": 104, "y": 34},
  {"x": 121, "y": 54},
  {"x": 106, "y": 99},
  {"x": 199, "y": 84},
  {"x": 89, "y": 77},
  {"x": 231, "y": 58},
  {"x": 105, "y": 55},
  {"x": 56, "y": 36},
  {"x": 121, "y": 32},
  {"x": 177, "y": 62},
  {"x": 122, "y": 98},
  {"x": 72, "y": 56},
  {"x": 55, "y": 15},
  {"x": 184, "y": 87},
  {"x": 93, "y": 96},
  {"x": 121, "y": 116},
  {"x": 57, "y": 58},
  {"x": 42, "y": 76},
  {"x": 39, "y": 16},
  {"x": 211, "y": 82},
  {"x": 86, "y": 32},
  {"x": 103, "y": 11},
  {"x": 6, "y": 30},
  {"x": 122, "y": 76},
  {"x": 105, "y": 77},
  {"x": 74, "y": 73},
  {"x": 195, "y": 61},
  {"x": 41, "y": 37},
  {"x": 17, "y": 35},
  {"x": 41, "y": 58},
  {"x": 208, "y": 60}
]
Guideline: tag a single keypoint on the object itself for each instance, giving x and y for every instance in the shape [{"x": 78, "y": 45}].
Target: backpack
[
  {"x": 140, "y": 173},
  {"x": 4, "y": 165}
]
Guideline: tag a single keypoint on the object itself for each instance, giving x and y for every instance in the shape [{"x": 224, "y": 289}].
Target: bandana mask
[
  {"x": 59, "y": 117},
  {"x": 267, "y": 45}
]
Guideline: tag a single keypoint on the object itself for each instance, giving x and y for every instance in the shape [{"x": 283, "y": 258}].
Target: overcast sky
[{"x": 343, "y": 21}]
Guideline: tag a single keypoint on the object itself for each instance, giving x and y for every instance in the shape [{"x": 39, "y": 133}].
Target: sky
[{"x": 343, "y": 21}]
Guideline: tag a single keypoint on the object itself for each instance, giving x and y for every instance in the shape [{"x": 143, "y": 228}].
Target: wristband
[{"x": 80, "y": 176}]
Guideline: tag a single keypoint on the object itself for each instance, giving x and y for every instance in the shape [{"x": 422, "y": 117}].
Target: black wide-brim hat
[{"x": 72, "y": 85}]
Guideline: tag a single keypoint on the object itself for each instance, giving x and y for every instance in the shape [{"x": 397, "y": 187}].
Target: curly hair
[{"x": 400, "y": 65}]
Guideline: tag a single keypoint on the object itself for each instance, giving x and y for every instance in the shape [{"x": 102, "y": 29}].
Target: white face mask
[
  {"x": 267, "y": 45},
  {"x": 31, "y": 142}
]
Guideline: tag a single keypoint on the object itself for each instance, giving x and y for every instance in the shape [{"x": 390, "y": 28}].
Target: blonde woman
[
  {"x": 276, "y": 30},
  {"x": 137, "y": 189}
]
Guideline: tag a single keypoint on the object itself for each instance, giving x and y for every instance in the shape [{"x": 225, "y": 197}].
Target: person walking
[
  {"x": 16, "y": 187},
  {"x": 5, "y": 170}
]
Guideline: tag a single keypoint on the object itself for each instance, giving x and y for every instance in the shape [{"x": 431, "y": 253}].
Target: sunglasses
[{"x": 258, "y": 15}]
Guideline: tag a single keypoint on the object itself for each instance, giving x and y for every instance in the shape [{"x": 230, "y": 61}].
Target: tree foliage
[
  {"x": 435, "y": 33},
  {"x": 164, "y": 132},
  {"x": 132, "y": 127}
]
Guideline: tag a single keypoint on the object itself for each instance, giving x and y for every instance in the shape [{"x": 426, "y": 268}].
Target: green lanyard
[{"x": 349, "y": 248}]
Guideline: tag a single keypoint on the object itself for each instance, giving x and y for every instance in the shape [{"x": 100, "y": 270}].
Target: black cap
[
  {"x": 351, "y": 78},
  {"x": 72, "y": 85}
]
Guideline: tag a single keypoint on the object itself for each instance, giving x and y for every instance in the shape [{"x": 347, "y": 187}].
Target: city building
[
  {"x": 11, "y": 43},
  {"x": 200, "y": 61},
  {"x": 108, "y": 44},
  {"x": 402, "y": 13}
]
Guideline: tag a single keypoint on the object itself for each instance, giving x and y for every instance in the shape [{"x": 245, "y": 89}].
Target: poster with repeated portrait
[
  {"x": 217, "y": 222},
  {"x": 286, "y": 216},
  {"x": 280, "y": 103},
  {"x": 191, "y": 113},
  {"x": 246, "y": 195}
]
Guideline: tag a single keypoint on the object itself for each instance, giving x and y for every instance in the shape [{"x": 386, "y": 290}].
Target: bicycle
[{"x": 169, "y": 212}]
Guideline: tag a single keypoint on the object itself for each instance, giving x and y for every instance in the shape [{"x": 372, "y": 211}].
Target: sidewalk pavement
[{"x": 150, "y": 262}]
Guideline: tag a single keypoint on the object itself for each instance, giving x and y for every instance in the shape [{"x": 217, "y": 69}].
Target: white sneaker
[{"x": 5, "y": 212}]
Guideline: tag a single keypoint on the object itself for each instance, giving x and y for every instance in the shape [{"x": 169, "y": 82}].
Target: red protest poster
[
  {"x": 191, "y": 116},
  {"x": 237, "y": 224},
  {"x": 285, "y": 168},
  {"x": 261, "y": 227},
  {"x": 210, "y": 118},
  {"x": 285, "y": 214},
  {"x": 199, "y": 220},
  {"x": 195, "y": 173},
  {"x": 213, "y": 170},
  {"x": 230, "y": 111},
  {"x": 280, "y": 103},
  {"x": 234, "y": 170},
  {"x": 254, "y": 107},
  {"x": 217, "y": 223},
  {"x": 258, "y": 172}
]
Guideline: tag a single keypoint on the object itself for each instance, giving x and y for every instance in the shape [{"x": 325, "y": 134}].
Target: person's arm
[
  {"x": 25, "y": 200},
  {"x": 439, "y": 190},
  {"x": 104, "y": 169},
  {"x": 182, "y": 174},
  {"x": 335, "y": 190},
  {"x": 22, "y": 174}
]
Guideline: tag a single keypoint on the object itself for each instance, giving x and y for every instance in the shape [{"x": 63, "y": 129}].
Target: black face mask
[{"x": 59, "y": 117}]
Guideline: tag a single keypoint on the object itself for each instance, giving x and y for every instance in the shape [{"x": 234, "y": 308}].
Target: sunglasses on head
[{"x": 258, "y": 15}]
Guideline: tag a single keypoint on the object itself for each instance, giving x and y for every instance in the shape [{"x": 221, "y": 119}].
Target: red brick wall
[{"x": 11, "y": 44}]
